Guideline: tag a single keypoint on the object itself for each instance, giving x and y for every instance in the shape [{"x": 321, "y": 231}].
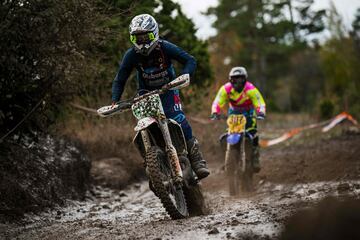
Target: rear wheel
[
  {"x": 195, "y": 199},
  {"x": 170, "y": 193}
]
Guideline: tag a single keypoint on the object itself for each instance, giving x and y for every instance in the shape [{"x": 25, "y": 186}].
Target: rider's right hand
[
  {"x": 215, "y": 116},
  {"x": 260, "y": 116}
]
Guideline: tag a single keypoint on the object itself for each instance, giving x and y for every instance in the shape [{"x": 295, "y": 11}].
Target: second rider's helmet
[
  {"x": 144, "y": 33},
  {"x": 238, "y": 77}
]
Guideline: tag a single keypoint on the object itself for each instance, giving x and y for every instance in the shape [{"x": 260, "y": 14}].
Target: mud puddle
[{"x": 136, "y": 213}]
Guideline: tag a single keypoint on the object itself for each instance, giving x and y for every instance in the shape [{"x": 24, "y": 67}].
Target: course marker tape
[
  {"x": 329, "y": 125},
  {"x": 266, "y": 143}
]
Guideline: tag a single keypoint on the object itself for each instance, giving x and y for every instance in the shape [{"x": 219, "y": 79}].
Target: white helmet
[
  {"x": 238, "y": 71},
  {"x": 144, "y": 33}
]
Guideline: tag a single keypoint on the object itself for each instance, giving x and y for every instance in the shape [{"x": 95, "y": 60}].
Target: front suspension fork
[
  {"x": 169, "y": 149},
  {"x": 242, "y": 156},
  {"x": 171, "y": 152}
]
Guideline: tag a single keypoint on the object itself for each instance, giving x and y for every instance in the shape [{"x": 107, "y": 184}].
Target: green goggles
[{"x": 143, "y": 38}]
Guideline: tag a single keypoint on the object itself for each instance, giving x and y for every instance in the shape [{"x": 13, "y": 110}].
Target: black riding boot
[{"x": 197, "y": 161}]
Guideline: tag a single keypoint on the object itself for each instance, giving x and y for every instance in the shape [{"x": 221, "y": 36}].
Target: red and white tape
[{"x": 327, "y": 125}]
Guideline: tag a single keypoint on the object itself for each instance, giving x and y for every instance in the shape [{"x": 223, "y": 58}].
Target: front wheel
[
  {"x": 247, "y": 169},
  {"x": 238, "y": 165},
  {"x": 232, "y": 168},
  {"x": 171, "y": 194}
]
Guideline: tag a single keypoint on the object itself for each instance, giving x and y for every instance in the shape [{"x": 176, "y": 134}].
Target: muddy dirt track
[{"x": 293, "y": 177}]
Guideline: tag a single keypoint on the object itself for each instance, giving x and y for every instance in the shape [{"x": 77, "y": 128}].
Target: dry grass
[{"x": 108, "y": 141}]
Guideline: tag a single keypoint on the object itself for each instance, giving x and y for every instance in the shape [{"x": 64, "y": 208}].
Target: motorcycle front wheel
[
  {"x": 170, "y": 194},
  {"x": 233, "y": 168},
  {"x": 239, "y": 167}
]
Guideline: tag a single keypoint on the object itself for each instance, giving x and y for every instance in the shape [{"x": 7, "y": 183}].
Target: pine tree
[{"x": 268, "y": 35}]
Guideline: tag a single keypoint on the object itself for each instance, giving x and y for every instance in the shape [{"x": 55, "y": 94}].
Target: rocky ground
[{"x": 293, "y": 177}]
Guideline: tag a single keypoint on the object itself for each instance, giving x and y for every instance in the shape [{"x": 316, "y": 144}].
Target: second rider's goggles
[{"x": 237, "y": 78}]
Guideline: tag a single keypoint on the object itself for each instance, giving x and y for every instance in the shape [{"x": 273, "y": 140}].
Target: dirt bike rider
[
  {"x": 243, "y": 98},
  {"x": 151, "y": 57}
]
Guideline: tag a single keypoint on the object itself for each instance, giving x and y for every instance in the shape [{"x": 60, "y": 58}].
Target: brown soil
[
  {"x": 335, "y": 159},
  {"x": 327, "y": 160},
  {"x": 116, "y": 173},
  {"x": 331, "y": 219}
]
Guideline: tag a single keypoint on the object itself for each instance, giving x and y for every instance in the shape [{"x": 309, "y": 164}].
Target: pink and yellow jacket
[{"x": 250, "y": 98}]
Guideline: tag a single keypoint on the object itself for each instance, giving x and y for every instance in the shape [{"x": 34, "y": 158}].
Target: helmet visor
[
  {"x": 142, "y": 38},
  {"x": 238, "y": 82}
]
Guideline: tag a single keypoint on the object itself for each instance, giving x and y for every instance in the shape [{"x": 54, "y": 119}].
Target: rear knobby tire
[{"x": 159, "y": 172}]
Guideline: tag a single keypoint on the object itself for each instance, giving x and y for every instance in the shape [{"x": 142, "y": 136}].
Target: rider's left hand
[{"x": 113, "y": 105}]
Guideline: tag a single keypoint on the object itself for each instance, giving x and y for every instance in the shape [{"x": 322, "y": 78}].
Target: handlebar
[
  {"x": 126, "y": 104},
  {"x": 121, "y": 106},
  {"x": 225, "y": 116},
  {"x": 218, "y": 117},
  {"x": 181, "y": 81}
]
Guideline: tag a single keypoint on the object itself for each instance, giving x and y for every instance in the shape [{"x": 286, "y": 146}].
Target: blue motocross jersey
[{"x": 153, "y": 71}]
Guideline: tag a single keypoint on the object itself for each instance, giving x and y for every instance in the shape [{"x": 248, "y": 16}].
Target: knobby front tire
[{"x": 171, "y": 197}]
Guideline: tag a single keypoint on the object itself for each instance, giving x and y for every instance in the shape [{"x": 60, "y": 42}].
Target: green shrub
[{"x": 327, "y": 108}]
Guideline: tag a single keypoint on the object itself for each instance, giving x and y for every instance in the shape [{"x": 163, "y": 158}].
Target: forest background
[{"x": 54, "y": 53}]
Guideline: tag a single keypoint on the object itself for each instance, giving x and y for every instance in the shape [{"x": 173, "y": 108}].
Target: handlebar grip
[
  {"x": 124, "y": 105},
  {"x": 117, "y": 108}
]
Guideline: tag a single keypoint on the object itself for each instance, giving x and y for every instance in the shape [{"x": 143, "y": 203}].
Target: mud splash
[
  {"x": 137, "y": 214},
  {"x": 293, "y": 177}
]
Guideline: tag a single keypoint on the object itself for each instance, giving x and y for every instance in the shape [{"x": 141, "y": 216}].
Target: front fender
[
  {"x": 144, "y": 123},
  {"x": 233, "y": 138}
]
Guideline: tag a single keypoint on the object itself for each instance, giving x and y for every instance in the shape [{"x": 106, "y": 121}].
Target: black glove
[
  {"x": 260, "y": 116},
  {"x": 215, "y": 116}
]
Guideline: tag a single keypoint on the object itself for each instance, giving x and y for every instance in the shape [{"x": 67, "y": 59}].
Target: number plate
[
  {"x": 236, "y": 123},
  {"x": 148, "y": 107}
]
